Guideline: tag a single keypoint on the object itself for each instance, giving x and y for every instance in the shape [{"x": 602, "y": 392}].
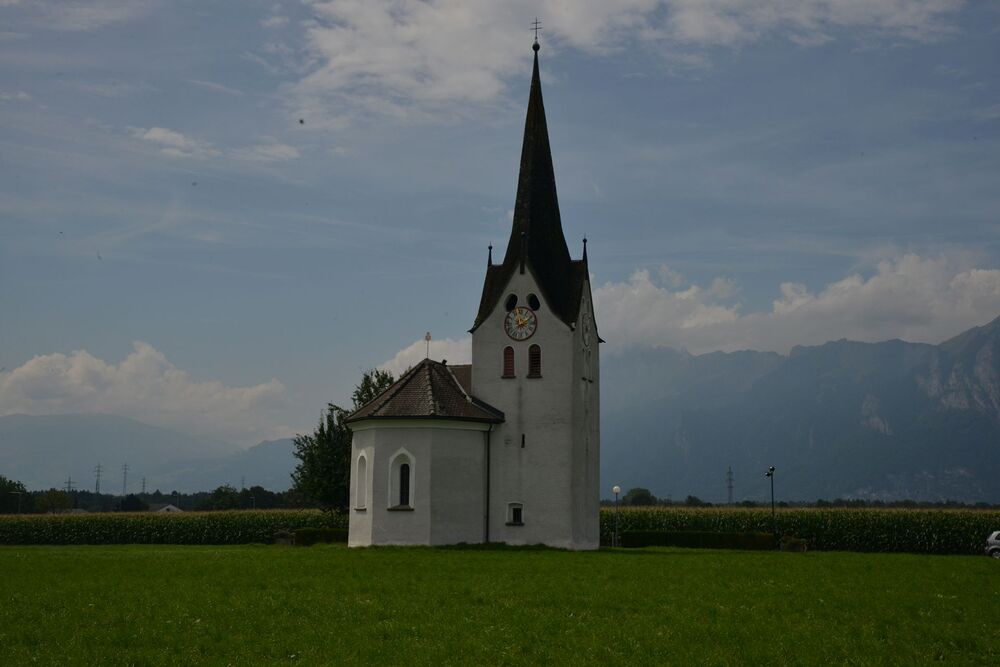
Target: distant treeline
[
  {"x": 15, "y": 498},
  {"x": 640, "y": 497}
]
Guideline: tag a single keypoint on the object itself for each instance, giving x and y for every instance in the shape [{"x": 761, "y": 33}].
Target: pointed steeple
[
  {"x": 536, "y": 208},
  {"x": 536, "y": 236}
]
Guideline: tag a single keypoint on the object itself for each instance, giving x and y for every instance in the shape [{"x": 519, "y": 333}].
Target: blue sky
[{"x": 215, "y": 215}]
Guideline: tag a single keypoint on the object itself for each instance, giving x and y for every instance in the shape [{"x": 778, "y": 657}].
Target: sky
[{"x": 215, "y": 216}]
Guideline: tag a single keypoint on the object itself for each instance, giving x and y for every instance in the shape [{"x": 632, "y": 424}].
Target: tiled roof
[
  {"x": 536, "y": 238},
  {"x": 429, "y": 390}
]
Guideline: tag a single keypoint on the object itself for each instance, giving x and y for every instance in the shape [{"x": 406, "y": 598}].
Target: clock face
[{"x": 520, "y": 323}]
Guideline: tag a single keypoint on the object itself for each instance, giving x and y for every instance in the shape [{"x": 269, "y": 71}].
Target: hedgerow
[
  {"x": 235, "y": 527},
  {"x": 900, "y": 530}
]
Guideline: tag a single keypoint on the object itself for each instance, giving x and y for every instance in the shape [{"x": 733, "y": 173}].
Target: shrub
[
  {"x": 959, "y": 531},
  {"x": 305, "y": 537},
  {"x": 696, "y": 539},
  {"x": 233, "y": 527}
]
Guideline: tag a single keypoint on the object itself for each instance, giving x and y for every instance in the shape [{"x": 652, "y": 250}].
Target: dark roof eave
[{"x": 476, "y": 420}]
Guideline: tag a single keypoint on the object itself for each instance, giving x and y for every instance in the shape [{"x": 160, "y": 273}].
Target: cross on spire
[{"x": 536, "y": 26}]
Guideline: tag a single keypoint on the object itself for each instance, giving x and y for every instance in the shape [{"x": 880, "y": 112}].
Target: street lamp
[
  {"x": 774, "y": 521},
  {"x": 614, "y": 538}
]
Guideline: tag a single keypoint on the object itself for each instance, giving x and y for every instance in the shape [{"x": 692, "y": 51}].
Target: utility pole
[
  {"x": 124, "y": 478},
  {"x": 729, "y": 484},
  {"x": 243, "y": 483},
  {"x": 97, "y": 476},
  {"x": 143, "y": 486},
  {"x": 69, "y": 485}
]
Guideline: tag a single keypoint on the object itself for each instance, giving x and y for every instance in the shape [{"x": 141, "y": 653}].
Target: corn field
[
  {"x": 235, "y": 527},
  {"x": 904, "y": 530},
  {"x": 915, "y": 531}
]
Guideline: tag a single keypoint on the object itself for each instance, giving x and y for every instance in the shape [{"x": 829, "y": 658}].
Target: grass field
[{"x": 241, "y": 605}]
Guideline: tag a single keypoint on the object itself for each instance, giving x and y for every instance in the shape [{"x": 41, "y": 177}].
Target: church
[{"x": 507, "y": 448}]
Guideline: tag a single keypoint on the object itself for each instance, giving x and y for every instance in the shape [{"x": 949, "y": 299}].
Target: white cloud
[
  {"x": 454, "y": 351},
  {"x": 275, "y": 22},
  {"x": 174, "y": 143},
  {"x": 413, "y": 59},
  {"x": 147, "y": 387},
  {"x": 909, "y": 297},
  {"x": 268, "y": 152},
  {"x": 82, "y": 15},
  {"x": 19, "y": 96}
]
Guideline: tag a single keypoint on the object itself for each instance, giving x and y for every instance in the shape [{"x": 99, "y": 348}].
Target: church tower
[{"x": 535, "y": 358}]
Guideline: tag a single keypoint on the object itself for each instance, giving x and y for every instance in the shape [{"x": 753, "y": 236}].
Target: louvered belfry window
[
  {"x": 534, "y": 361},
  {"x": 508, "y": 362}
]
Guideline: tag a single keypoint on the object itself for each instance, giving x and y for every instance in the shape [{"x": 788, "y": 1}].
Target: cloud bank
[
  {"x": 147, "y": 387},
  {"x": 454, "y": 351},
  {"x": 413, "y": 59},
  {"x": 914, "y": 298},
  {"x": 911, "y": 297}
]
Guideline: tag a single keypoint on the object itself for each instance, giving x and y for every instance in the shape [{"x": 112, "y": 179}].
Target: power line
[
  {"x": 143, "y": 486},
  {"x": 69, "y": 485},
  {"x": 98, "y": 469},
  {"x": 124, "y": 478},
  {"x": 729, "y": 484}
]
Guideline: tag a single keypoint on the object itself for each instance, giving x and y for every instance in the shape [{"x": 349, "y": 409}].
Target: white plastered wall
[{"x": 547, "y": 474}]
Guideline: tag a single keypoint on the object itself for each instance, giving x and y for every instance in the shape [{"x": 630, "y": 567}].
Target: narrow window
[
  {"x": 361, "y": 484},
  {"x": 510, "y": 302},
  {"x": 534, "y": 361},
  {"x": 508, "y": 362},
  {"x": 533, "y": 302},
  {"x": 401, "y": 482},
  {"x": 404, "y": 485},
  {"x": 515, "y": 514}
]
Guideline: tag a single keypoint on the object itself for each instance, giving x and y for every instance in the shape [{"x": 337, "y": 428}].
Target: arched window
[
  {"x": 510, "y": 302},
  {"x": 533, "y": 302},
  {"x": 508, "y": 362},
  {"x": 534, "y": 361},
  {"x": 401, "y": 481},
  {"x": 404, "y": 485},
  {"x": 361, "y": 484}
]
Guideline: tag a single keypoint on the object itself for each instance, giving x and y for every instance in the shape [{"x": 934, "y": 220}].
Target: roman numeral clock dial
[{"x": 520, "y": 323}]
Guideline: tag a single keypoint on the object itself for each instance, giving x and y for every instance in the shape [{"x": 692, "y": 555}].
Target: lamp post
[
  {"x": 614, "y": 538},
  {"x": 774, "y": 521}
]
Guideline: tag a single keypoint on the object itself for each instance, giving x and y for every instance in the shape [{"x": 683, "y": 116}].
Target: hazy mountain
[
  {"x": 268, "y": 464},
  {"x": 875, "y": 420},
  {"x": 43, "y": 451}
]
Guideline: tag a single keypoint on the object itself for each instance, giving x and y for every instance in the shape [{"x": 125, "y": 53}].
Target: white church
[{"x": 507, "y": 448}]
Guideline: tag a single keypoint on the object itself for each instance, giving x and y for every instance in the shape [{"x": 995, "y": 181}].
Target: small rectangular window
[{"x": 515, "y": 514}]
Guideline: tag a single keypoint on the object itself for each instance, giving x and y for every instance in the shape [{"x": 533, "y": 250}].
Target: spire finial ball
[{"x": 535, "y": 47}]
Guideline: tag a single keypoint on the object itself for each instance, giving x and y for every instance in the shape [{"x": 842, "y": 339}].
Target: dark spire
[
  {"x": 536, "y": 208},
  {"x": 536, "y": 237},
  {"x": 489, "y": 256},
  {"x": 585, "y": 248}
]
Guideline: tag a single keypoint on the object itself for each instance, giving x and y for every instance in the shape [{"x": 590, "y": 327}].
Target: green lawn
[{"x": 327, "y": 604}]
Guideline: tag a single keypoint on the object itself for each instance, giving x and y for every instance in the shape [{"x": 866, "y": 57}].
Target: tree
[
  {"x": 638, "y": 497},
  {"x": 133, "y": 503},
  {"x": 13, "y": 495},
  {"x": 323, "y": 474},
  {"x": 224, "y": 497}
]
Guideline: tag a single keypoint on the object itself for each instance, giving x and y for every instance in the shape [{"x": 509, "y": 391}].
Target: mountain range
[{"x": 879, "y": 421}]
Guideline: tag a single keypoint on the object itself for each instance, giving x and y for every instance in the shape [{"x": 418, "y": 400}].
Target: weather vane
[{"x": 536, "y": 26}]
